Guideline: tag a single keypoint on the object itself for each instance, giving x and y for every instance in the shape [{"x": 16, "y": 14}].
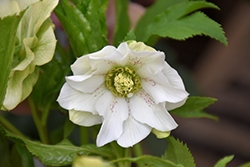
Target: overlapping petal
[
  {"x": 133, "y": 132},
  {"x": 84, "y": 118},
  {"x": 114, "y": 111},
  {"x": 70, "y": 98},
  {"x": 159, "y": 87},
  {"x": 145, "y": 110}
]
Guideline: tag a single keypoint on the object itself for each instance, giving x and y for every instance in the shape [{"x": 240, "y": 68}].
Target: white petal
[
  {"x": 70, "y": 98},
  {"x": 114, "y": 111},
  {"x": 84, "y": 118},
  {"x": 172, "y": 76},
  {"x": 158, "y": 86},
  {"x": 145, "y": 110},
  {"x": 86, "y": 83},
  {"x": 82, "y": 66},
  {"x": 171, "y": 106},
  {"x": 152, "y": 60},
  {"x": 123, "y": 48},
  {"x": 133, "y": 132}
]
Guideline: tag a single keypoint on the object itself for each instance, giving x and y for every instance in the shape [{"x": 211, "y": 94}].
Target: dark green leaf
[
  {"x": 178, "y": 22},
  {"x": 130, "y": 36},
  {"x": 27, "y": 158},
  {"x": 178, "y": 153},
  {"x": 122, "y": 21},
  {"x": 4, "y": 150},
  {"x": 8, "y": 27},
  {"x": 150, "y": 160},
  {"x": 61, "y": 154},
  {"x": 158, "y": 7},
  {"x": 224, "y": 161},
  {"x": 84, "y": 25},
  {"x": 193, "y": 108}
]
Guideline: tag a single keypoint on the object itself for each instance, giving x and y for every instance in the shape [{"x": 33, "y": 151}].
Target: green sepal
[{"x": 193, "y": 108}]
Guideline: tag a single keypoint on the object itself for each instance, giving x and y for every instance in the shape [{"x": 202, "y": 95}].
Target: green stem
[
  {"x": 9, "y": 126},
  {"x": 39, "y": 125},
  {"x": 138, "y": 152},
  {"x": 127, "y": 155},
  {"x": 117, "y": 153},
  {"x": 84, "y": 135}
]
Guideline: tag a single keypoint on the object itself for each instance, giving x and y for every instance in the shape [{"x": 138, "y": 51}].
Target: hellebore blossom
[
  {"x": 35, "y": 46},
  {"x": 128, "y": 89}
]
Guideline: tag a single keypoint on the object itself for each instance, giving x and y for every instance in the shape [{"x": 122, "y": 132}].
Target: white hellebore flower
[
  {"x": 35, "y": 46},
  {"x": 128, "y": 89}
]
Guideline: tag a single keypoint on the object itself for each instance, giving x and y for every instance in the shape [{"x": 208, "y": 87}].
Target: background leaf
[
  {"x": 8, "y": 27},
  {"x": 122, "y": 21},
  {"x": 84, "y": 24},
  {"x": 61, "y": 154},
  {"x": 178, "y": 153},
  {"x": 158, "y": 7},
  {"x": 224, "y": 161},
  {"x": 193, "y": 108},
  {"x": 180, "y": 21}
]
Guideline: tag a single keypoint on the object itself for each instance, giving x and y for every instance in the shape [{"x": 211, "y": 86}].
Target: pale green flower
[
  {"x": 35, "y": 46},
  {"x": 128, "y": 89},
  {"x": 90, "y": 161},
  {"x": 10, "y": 7}
]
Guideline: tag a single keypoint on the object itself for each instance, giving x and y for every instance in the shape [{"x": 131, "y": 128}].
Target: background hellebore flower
[
  {"x": 10, "y": 7},
  {"x": 128, "y": 89},
  {"x": 35, "y": 46}
]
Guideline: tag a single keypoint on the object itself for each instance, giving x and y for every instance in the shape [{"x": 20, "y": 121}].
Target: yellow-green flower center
[{"x": 123, "y": 81}]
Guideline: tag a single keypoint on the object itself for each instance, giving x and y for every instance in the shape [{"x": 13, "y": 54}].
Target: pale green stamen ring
[{"x": 123, "y": 81}]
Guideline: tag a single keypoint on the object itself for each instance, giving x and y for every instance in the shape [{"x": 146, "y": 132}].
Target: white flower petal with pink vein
[
  {"x": 84, "y": 118},
  {"x": 70, "y": 98},
  {"x": 114, "y": 111},
  {"x": 133, "y": 132},
  {"x": 161, "y": 90},
  {"x": 145, "y": 110}
]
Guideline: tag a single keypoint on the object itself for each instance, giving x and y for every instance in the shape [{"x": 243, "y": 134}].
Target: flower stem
[
  {"x": 9, "y": 126},
  {"x": 84, "y": 135},
  {"x": 138, "y": 152},
  {"x": 117, "y": 153},
  {"x": 39, "y": 125},
  {"x": 127, "y": 155}
]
